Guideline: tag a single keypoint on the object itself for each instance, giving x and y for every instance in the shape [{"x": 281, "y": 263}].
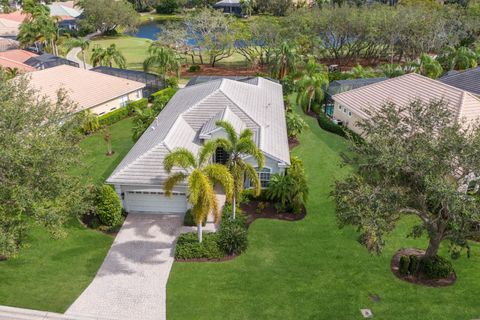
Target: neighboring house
[
  {"x": 338, "y": 86},
  {"x": 351, "y": 106},
  {"x": 152, "y": 81},
  {"x": 67, "y": 14},
  {"x": 98, "y": 92},
  {"x": 188, "y": 120},
  {"x": 202, "y": 79},
  {"x": 229, "y": 6},
  {"x": 16, "y": 59},
  {"x": 10, "y": 24},
  {"x": 8, "y": 44},
  {"x": 468, "y": 80},
  {"x": 47, "y": 60}
]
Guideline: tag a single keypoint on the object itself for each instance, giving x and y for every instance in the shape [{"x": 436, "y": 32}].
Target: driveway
[{"x": 131, "y": 283}]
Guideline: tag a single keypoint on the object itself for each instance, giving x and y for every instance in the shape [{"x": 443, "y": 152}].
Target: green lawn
[
  {"x": 49, "y": 274},
  {"x": 96, "y": 165},
  {"x": 312, "y": 270}
]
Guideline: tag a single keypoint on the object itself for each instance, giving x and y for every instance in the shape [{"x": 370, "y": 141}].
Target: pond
[{"x": 148, "y": 30}]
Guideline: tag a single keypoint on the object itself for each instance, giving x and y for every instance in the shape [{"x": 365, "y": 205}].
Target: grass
[
  {"x": 49, "y": 274},
  {"x": 312, "y": 270},
  {"x": 96, "y": 165}
]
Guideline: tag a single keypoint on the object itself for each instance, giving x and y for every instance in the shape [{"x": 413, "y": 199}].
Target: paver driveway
[{"x": 131, "y": 283}]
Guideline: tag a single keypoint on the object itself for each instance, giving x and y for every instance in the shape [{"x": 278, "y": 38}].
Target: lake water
[{"x": 149, "y": 30}]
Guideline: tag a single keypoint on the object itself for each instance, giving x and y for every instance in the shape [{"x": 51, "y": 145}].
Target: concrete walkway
[
  {"x": 131, "y": 283},
  {"x": 72, "y": 55}
]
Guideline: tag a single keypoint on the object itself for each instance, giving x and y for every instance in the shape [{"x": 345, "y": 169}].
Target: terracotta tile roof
[
  {"x": 87, "y": 88},
  {"x": 16, "y": 16},
  {"x": 7, "y": 63},
  {"x": 407, "y": 88},
  {"x": 17, "y": 55}
]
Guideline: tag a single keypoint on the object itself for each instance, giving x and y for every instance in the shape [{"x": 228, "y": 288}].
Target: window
[
  {"x": 344, "y": 110},
  {"x": 220, "y": 156},
  {"x": 264, "y": 176},
  {"x": 113, "y": 109},
  {"x": 101, "y": 113},
  {"x": 138, "y": 94},
  {"x": 349, "y": 113},
  {"x": 123, "y": 100}
]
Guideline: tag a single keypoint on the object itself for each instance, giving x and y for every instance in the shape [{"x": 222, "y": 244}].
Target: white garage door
[{"x": 155, "y": 202}]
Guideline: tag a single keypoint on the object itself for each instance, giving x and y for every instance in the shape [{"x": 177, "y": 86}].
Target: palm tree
[
  {"x": 285, "y": 60},
  {"x": 310, "y": 86},
  {"x": 360, "y": 72},
  {"x": 162, "y": 59},
  {"x": 201, "y": 175},
  {"x": 239, "y": 147},
  {"x": 107, "y": 56},
  {"x": 458, "y": 58},
  {"x": 429, "y": 67}
]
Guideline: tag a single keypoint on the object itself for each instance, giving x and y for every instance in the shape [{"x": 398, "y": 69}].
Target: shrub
[
  {"x": 404, "y": 264},
  {"x": 295, "y": 124},
  {"x": 232, "y": 238},
  {"x": 189, "y": 221},
  {"x": 90, "y": 122},
  {"x": 436, "y": 267},
  {"x": 288, "y": 85},
  {"x": 188, "y": 247},
  {"x": 249, "y": 195},
  {"x": 327, "y": 125},
  {"x": 113, "y": 117},
  {"x": 413, "y": 267},
  {"x": 167, "y": 6},
  {"x": 161, "y": 98},
  {"x": 194, "y": 68},
  {"x": 108, "y": 207},
  {"x": 141, "y": 104},
  {"x": 240, "y": 218},
  {"x": 171, "y": 83}
]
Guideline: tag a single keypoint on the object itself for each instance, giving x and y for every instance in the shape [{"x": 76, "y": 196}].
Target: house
[
  {"x": 66, "y": 13},
  {"x": 229, "y": 6},
  {"x": 468, "y": 80},
  {"x": 10, "y": 24},
  {"x": 350, "y": 107},
  {"x": 47, "y": 60},
  {"x": 188, "y": 120},
  {"x": 96, "y": 91},
  {"x": 338, "y": 86},
  {"x": 15, "y": 59},
  {"x": 152, "y": 82}
]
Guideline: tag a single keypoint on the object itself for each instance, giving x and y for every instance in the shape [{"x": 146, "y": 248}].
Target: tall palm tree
[
  {"x": 285, "y": 60},
  {"x": 107, "y": 56},
  {"x": 201, "y": 175},
  {"x": 163, "y": 60},
  {"x": 458, "y": 58},
  {"x": 310, "y": 87},
  {"x": 238, "y": 147}
]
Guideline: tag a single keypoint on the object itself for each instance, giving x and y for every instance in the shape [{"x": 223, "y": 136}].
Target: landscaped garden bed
[
  {"x": 257, "y": 209},
  {"x": 410, "y": 265}
]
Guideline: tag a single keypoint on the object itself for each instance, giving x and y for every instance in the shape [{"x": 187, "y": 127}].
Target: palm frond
[
  {"x": 252, "y": 174},
  {"x": 219, "y": 174},
  {"x": 207, "y": 152},
  {"x": 180, "y": 157},
  {"x": 172, "y": 181},
  {"x": 231, "y": 133}
]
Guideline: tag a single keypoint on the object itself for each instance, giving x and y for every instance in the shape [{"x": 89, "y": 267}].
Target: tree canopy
[
  {"x": 107, "y": 15},
  {"x": 415, "y": 160}
]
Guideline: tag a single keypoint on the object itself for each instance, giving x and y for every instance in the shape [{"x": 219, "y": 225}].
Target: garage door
[{"x": 155, "y": 202}]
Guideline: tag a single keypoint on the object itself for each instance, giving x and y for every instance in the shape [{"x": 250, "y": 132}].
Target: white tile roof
[
  {"x": 86, "y": 88},
  {"x": 256, "y": 106},
  {"x": 407, "y": 88}
]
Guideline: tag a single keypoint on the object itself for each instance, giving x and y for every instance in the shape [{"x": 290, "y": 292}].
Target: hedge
[
  {"x": 327, "y": 125},
  {"x": 113, "y": 117},
  {"x": 141, "y": 104},
  {"x": 188, "y": 246},
  {"x": 167, "y": 92},
  {"x": 108, "y": 207}
]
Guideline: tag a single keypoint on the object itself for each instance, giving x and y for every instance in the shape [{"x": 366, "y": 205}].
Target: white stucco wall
[{"x": 115, "y": 103}]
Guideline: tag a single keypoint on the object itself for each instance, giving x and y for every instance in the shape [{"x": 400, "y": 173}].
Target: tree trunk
[
  {"x": 199, "y": 232},
  {"x": 83, "y": 59},
  {"x": 433, "y": 245},
  {"x": 234, "y": 205},
  {"x": 309, "y": 104}
]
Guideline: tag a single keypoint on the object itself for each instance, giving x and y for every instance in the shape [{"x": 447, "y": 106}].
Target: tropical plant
[
  {"x": 11, "y": 72},
  {"x": 90, "y": 122},
  {"x": 239, "y": 147},
  {"x": 290, "y": 190},
  {"x": 107, "y": 56},
  {"x": 201, "y": 177},
  {"x": 107, "y": 137},
  {"x": 461, "y": 58},
  {"x": 295, "y": 124},
  {"x": 429, "y": 67},
  {"x": 162, "y": 59},
  {"x": 360, "y": 72},
  {"x": 285, "y": 60},
  {"x": 405, "y": 167},
  {"x": 248, "y": 6},
  {"x": 310, "y": 87},
  {"x": 142, "y": 119},
  {"x": 108, "y": 207},
  {"x": 392, "y": 70}
]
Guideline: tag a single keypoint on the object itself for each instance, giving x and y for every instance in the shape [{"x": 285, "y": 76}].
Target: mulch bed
[
  {"x": 292, "y": 143},
  {"x": 418, "y": 279},
  {"x": 270, "y": 212},
  {"x": 87, "y": 221},
  {"x": 207, "y": 70}
]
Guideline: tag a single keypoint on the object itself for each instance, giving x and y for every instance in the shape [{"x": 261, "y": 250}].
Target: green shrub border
[{"x": 327, "y": 125}]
